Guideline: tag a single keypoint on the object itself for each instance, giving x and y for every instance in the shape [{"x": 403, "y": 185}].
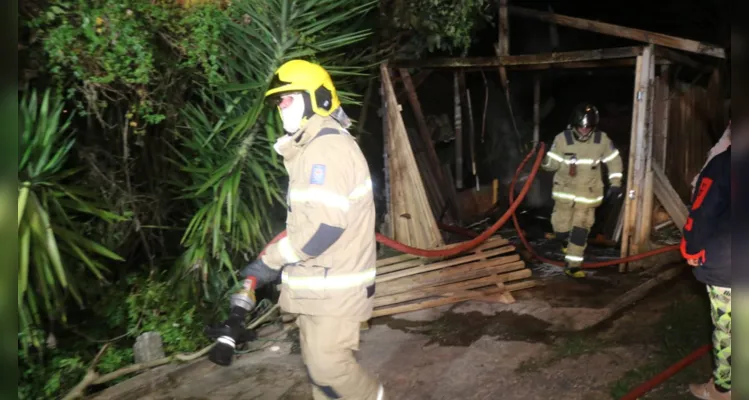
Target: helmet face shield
[
  {"x": 293, "y": 112},
  {"x": 275, "y": 100},
  {"x": 276, "y": 91},
  {"x": 585, "y": 120}
]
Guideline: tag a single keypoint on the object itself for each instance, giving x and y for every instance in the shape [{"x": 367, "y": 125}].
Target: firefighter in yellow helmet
[
  {"x": 328, "y": 256},
  {"x": 576, "y": 157}
]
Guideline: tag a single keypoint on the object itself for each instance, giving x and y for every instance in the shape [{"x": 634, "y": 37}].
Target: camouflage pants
[{"x": 720, "y": 312}]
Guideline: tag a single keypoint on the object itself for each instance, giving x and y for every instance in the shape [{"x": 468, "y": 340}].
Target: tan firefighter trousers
[
  {"x": 328, "y": 346},
  {"x": 573, "y": 224}
]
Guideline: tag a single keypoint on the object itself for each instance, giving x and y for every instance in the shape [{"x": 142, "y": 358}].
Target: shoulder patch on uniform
[{"x": 317, "y": 177}]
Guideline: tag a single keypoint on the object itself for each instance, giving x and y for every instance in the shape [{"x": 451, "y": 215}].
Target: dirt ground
[{"x": 477, "y": 350}]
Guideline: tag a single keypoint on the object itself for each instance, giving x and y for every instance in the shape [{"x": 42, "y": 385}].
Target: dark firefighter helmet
[{"x": 584, "y": 120}]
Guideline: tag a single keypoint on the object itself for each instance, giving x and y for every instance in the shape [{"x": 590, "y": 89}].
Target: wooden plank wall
[{"x": 695, "y": 111}]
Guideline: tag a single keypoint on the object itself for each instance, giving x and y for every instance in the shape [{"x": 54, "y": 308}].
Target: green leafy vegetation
[
  {"x": 131, "y": 51},
  {"x": 51, "y": 249},
  {"x": 236, "y": 177},
  {"x": 135, "y": 305},
  {"x": 439, "y": 25}
]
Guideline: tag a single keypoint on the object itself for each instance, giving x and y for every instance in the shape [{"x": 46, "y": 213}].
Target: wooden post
[
  {"x": 502, "y": 49},
  {"x": 416, "y": 81},
  {"x": 495, "y": 191},
  {"x": 622, "y": 31},
  {"x": 662, "y": 108},
  {"x": 639, "y": 199},
  {"x": 421, "y": 122},
  {"x": 536, "y": 109},
  {"x": 504, "y": 28},
  {"x": 644, "y": 226},
  {"x": 503, "y": 44},
  {"x": 458, "y": 133},
  {"x": 472, "y": 139}
]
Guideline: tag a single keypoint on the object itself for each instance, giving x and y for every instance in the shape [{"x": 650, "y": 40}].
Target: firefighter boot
[{"x": 574, "y": 272}]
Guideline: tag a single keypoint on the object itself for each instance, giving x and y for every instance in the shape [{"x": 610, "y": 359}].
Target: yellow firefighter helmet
[{"x": 312, "y": 80}]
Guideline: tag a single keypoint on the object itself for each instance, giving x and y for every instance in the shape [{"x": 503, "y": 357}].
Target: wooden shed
[{"x": 674, "y": 123}]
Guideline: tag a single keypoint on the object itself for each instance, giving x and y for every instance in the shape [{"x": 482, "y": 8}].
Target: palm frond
[
  {"x": 50, "y": 252},
  {"x": 234, "y": 173}
]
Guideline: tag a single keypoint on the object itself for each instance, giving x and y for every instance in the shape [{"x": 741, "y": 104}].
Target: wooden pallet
[{"x": 490, "y": 272}]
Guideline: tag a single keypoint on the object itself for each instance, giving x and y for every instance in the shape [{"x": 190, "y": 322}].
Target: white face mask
[{"x": 292, "y": 114}]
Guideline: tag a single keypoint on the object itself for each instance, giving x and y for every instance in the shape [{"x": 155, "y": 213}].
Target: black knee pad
[{"x": 579, "y": 236}]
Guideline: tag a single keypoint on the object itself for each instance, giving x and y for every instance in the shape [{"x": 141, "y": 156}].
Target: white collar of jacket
[{"x": 288, "y": 146}]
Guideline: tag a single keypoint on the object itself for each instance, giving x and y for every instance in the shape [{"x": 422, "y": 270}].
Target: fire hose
[{"x": 635, "y": 393}]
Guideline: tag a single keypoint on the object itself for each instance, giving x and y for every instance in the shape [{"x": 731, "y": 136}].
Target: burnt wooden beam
[
  {"x": 613, "y": 63},
  {"x": 679, "y": 58},
  {"x": 502, "y": 47},
  {"x": 458, "y": 131},
  {"x": 543, "y": 59},
  {"x": 572, "y": 56},
  {"x": 503, "y": 29},
  {"x": 536, "y": 109},
  {"x": 639, "y": 35},
  {"x": 599, "y": 64}
]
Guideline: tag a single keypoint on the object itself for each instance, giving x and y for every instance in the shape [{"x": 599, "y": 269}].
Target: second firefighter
[{"x": 576, "y": 157}]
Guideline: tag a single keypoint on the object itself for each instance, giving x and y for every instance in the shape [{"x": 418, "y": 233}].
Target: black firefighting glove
[
  {"x": 614, "y": 193},
  {"x": 263, "y": 274}
]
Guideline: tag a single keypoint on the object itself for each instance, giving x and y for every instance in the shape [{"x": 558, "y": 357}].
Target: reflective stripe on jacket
[
  {"x": 586, "y": 157},
  {"x": 329, "y": 254}
]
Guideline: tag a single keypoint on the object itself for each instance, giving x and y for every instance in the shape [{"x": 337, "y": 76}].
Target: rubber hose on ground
[{"x": 635, "y": 393}]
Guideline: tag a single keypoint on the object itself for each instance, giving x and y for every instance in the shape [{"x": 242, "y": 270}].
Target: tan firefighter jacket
[
  {"x": 569, "y": 156},
  {"x": 329, "y": 253}
]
